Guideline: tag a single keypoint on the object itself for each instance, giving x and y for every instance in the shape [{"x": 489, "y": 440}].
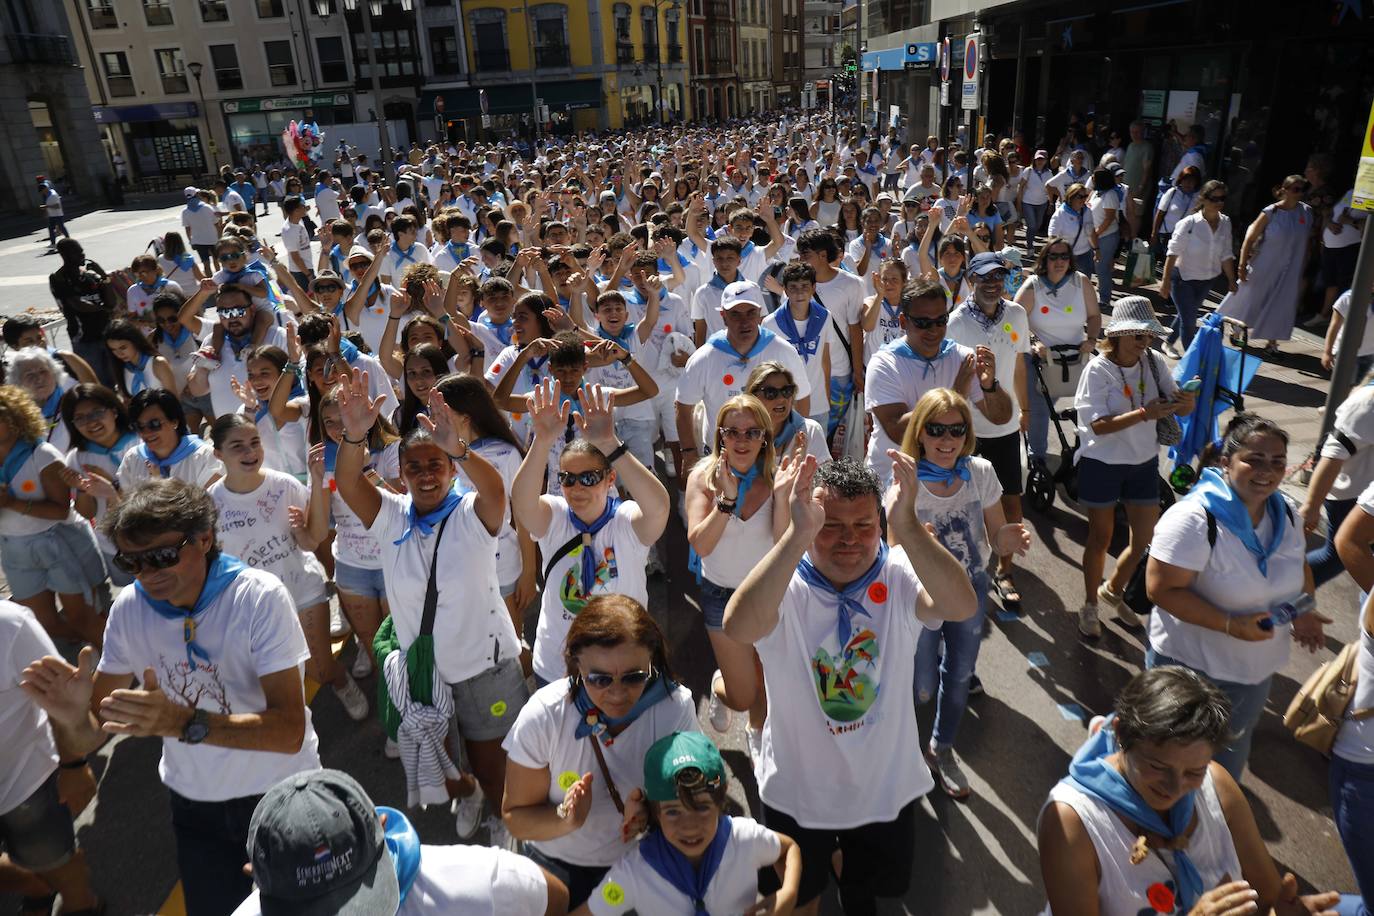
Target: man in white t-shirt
[
  {"x": 1194, "y": 153},
  {"x": 842, "y": 294},
  {"x": 327, "y": 199},
  {"x": 202, "y": 226},
  {"x": 230, "y": 201},
  {"x": 52, "y": 209},
  {"x": 318, "y": 846},
  {"x": 835, "y": 617},
  {"x": 717, "y": 372},
  {"x": 222, "y": 686}
]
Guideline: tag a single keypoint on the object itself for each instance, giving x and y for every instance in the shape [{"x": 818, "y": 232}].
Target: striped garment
[{"x": 421, "y": 735}]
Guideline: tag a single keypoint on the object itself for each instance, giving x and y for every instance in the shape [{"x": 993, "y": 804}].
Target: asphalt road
[{"x": 1043, "y": 682}]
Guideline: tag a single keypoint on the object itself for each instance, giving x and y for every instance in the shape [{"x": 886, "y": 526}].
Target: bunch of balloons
[{"x": 303, "y": 143}]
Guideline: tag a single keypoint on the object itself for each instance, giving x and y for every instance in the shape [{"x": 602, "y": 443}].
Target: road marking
[
  {"x": 30, "y": 279},
  {"x": 1072, "y": 712},
  {"x": 1038, "y": 660},
  {"x": 123, "y": 226}
]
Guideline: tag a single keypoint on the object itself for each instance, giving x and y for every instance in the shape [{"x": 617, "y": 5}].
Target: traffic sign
[
  {"x": 968, "y": 98},
  {"x": 945, "y": 55},
  {"x": 1364, "y": 174}
]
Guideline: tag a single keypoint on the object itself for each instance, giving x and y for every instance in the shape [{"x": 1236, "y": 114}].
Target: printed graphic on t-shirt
[
  {"x": 847, "y": 679},
  {"x": 188, "y": 685},
  {"x": 570, "y": 593},
  {"x": 1162, "y": 897}
]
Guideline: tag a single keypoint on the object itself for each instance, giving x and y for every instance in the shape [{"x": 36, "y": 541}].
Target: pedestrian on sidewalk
[
  {"x": 52, "y": 208},
  {"x": 1200, "y": 251}
]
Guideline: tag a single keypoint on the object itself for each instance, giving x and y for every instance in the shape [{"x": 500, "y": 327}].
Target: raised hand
[
  {"x": 548, "y": 411},
  {"x": 597, "y": 420},
  {"x": 636, "y": 818},
  {"x": 967, "y": 370},
  {"x": 441, "y": 425},
  {"x": 400, "y": 304},
  {"x": 807, "y": 511},
  {"x": 244, "y": 393},
  {"x": 315, "y": 461},
  {"x": 986, "y": 363},
  {"x": 723, "y": 482},
  {"x": 60, "y": 689},
  {"x": 357, "y": 409}
]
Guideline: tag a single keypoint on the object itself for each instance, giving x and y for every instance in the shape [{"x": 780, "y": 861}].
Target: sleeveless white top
[
  {"x": 742, "y": 547},
  {"x": 1123, "y": 888},
  {"x": 1059, "y": 314}
]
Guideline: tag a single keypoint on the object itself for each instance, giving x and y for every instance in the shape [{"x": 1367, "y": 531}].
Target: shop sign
[
  {"x": 1363, "y": 197},
  {"x": 131, "y": 114},
  {"x": 317, "y": 100},
  {"x": 1152, "y": 104}
]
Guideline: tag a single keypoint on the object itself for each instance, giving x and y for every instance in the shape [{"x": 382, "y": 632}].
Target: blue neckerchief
[
  {"x": 115, "y": 452},
  {"x": 807, "y": 342},
  {"x": 139, "y": 380},
  {"x": 194, "y": 204},
  {"x": 52, "y": 403},
  {"x": 794, "y": 423},
  {"x": 588, "y": 571},
  {"x": 672, "y": 866},
  {"x": 425, "y": 523},
  {"x": 623, "y": 338},
  {"x": 593, "y": 722},
  {"x": 1218, "y": 498},
  {"x": 1053, "y": 287},
  {"x": 1091, "y": 774},
  {"x": 336, "y": 255},
  {"x": 931, "y": 472},
  {"x": 222, "y": 571},
  {"x": 903, "y": 348},
  {"x": 665, "y": 267},
  {"x": 331, "y": 455},
  {"x": 349, "y": 351},
  {"x": 744, "y": 481},
  {"x": 19, "y": 453},
  {"x": 158, "y": 284},
  {"x": 719, "y": 282},
  {"x": 185, "y": 262},
  {"x": 234, "y": 276},
  {"x": 238, "y": 343},
  {"x": 564, "y": 302},
  {"x": 847, "y": 603},
  {"x": 503, "y": 331},
  {"x": 404, "y": 844},
  {"x": 403, "y": 256},
  {"x": 320, "y": 186},
  {"x": 721, "y": 343},
  {"x": 881, "y": 245},
  {"x": 747, "y": 250},
  {"x": 955, "y": 279},
  {"x": 533, "y": 366},
  {"x": 893, "y": 312},
  {"x": 187, "y": 447},
  {"x": 1076, "y": 214},
  {"x": 635, "y": 297},
  {"x": 453, "y": 252},
  {"x": 1075, "y": 175},
  {"x": 372, "y": 292}
]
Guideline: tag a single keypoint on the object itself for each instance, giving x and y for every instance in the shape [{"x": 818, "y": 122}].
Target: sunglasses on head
[
  {"x": 154, "y": 558},
  {"x": 769, "y": 393},
  {"x": 581, "y": 478},
  {"x": 152, "y": 426},
  {"x": 940, "y": 430},
  {"x": 233, "y": 312},
  {"x": 601, "y": 680},
  {"x": 734, "y": 435},
  {"x": 925, "y": 324}
]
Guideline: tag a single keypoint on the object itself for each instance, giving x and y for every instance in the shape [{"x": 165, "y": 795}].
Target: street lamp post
[
  {"x": 660, "y": 5},
  {"x": 196, "y": 68}
]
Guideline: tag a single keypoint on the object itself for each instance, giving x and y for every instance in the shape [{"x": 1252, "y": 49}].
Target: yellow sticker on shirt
[
  {"x": 613, "y": 893},
  {"x": 498, "y": 709},
  {"x": 566, "y": 780}
]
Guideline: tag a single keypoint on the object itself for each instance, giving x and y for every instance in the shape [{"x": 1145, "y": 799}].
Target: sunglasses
[
  {"x": 231, "y": 255},
  {"x": 91, "y": 416},
  {"x": 940, "y": 430},
  {"x": 1216, "y": 199},
  {"x": 165, "y": 319},
  {"x": 152, "y": 426},
  {"x": 602, "y": 681},
  {"x": 153, "y": 559},
  {"x": 1059, "y": 256},
  {"x": 925, "y": 324},
  {"x": 769, "y": 393},
  {"x": 234, "y": 312},
  {"x": 328, "y": 288},
  {"x": 734, "y": 435},
  {"x": 997, "y": 276},
  {"x": 581, "y": 478}
]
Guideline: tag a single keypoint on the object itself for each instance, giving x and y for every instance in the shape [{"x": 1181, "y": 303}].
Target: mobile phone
[{"x": 1191, "y": 386}]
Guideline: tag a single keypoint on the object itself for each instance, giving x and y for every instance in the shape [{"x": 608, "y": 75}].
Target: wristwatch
[
  {"x": 989, "y": 390},
  {"x": 197, "y": 729}
]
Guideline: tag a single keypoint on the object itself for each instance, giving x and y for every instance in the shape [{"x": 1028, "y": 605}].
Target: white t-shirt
[
  {"x": 838, "y": 750},
  {"x": 467, "y": 880},
  {"x": 620, "y": 570},
  {"x": 1034, "y": 184},
  {"x": 1354, "y": 421},
  {"x": 28, "y": 753},
  {"x": 27, "y": 485},
  {"x": 1100, "y": 203},
  {"x": 958, "y": 517},
  {"x": 327, "y": 204},
  {"x": 296, "y": 238},
  {"x": 633, "y": 885},
  {"x": 617, "y": 375},
  {"x": 372, "y": 318},
  {"x": 1008, "y": 338},
  {"x": 893, "y": 379},
  {"x": 1108, "y": 390},
  {"x": 185, "y": 278},
  {"x": 180, "y": 356},
  {"x": 843, "y": 295},
  {"x": 713, "y": 376},
  {"x": 506, "y": 459},
  {"x": 888, "y": 329},
  {"x": 1229, "y": 578},
  {"x": 673, "y": 316},
  {"x": 235, "y": 365},
  {"x": 1342, "y": 307},
  {"x": 249, "y": 630},
  {"x": 816, "y": 379},
  {"x": 395, "y": 263},
  {"x": 353, "y": 544},
  {"x": 466, "y": 643},
  {"x": 706, "y": 306},
  {"x": 544, "y": 736},
  {"x": 529, "y": 379},
  {"x": 256, "y": 528},
  {"x": 140, "y": 300},
  {"x": 1060, "y": 314},
  {"x": 1352, "y": 220},
  {"x": 284, "y": 448},
  {"x": 1075, "y": 226},
  {"x": 196, "y": 468}
]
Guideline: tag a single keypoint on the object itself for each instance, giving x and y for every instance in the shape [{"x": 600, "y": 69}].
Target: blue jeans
[
  {"x": 1325, "y": 562},
  {"x": 211, "y": 838},
  {"x": 1106, "y": 260},
  {"x": 1039, "y": 431},
  {"x": 961, "y": 641},
  {"x": 1351, "y": 787},
  {"x": 1034, "y": 215},
  {"x": 1188, "y": 296},
  {"x": 1084, "y": 263},
  {"x": 57, "y": 224},
  {"x": 1247, "y": 705}
]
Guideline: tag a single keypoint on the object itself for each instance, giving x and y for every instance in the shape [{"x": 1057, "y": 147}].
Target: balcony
[
  {"x": 121, "y": 86},
  {"x": 103, "y": 17},
  {"x": 674, "y": 54},
  {"x": 624, "y": 52},
  {"x": 492, "y": 60},
  {"x": 650, "y": 53},
  {"x": 27, "y": 48},
  {"x": 173, "y": 83},
  {"x": 551, "y": 56}
]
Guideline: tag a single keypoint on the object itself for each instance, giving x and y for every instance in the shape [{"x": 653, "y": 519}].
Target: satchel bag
[
  {"x": 1168, "y": 431},
  {"x": 1314, "y": 717}
]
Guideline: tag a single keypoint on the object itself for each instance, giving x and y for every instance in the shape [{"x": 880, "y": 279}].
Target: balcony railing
[
  {"x": 651, "y": 52},
  {"x": 173, "y": 83},
  {"x": 103, "y": 17},
  {"x": 121, "y": 86},
  {"x": 554, "y": 56},
  {"x": 492, "y": 60},
  {"x": 40, "y": 49},
  {"x": 624, "y": 53},
  {"x": 674, "y": 54}
]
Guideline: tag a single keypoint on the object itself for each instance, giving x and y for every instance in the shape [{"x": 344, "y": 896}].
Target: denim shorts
[
  {"x": 1101, "y": 485},
  {"x": 63, "y": 559},
  {"x": 355, "y": 580},
  {"x": 38, "y": 832},
  {"x": 200, "y": 403},
  {"x": 486, "y": 705},
  {"x": 713, "y": 600}
]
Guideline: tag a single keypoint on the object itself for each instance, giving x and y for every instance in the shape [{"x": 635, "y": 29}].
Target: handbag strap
[
  {"x": 606, "y": 775},
  {"x": 431, "y": 587},
  {"x": 560, "y": 553}
]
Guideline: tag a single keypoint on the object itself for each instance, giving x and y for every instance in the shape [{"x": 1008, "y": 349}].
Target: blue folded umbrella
[{"x": 1225, "y": 375}]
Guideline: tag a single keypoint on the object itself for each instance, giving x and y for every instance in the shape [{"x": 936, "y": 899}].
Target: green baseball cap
[{"x": 672, "y": 754}]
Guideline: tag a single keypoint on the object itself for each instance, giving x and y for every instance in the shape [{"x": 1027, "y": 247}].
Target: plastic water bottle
[{"x": 1288, "y": 611}]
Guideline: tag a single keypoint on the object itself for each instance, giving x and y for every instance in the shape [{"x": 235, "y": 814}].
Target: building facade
[
  {"x": 755, "y": 56},
  {"x": 714, "y": 49},
  {"x": 785, "y": 29},
  {"x": 43, "y": 111}
]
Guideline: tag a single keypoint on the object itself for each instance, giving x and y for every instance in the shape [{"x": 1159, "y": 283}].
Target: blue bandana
[
  {"x": 403, "y": 256},
  {"x": 187, "y": 447},
  {"x": 503, "y": 331},
  {"x": 115, "y": 452},
  {"x": 793, "y": 425},
  {"x": 588, "y": 570},
  {"x": 194, "y": 203},
  {"x": 51, "y": 405},
  {"x": 745, "y": 481},
  {"x": 672, "y": 866},
  {"x": 592, "y": 721},
  {"x": 19, "y": 453},
  {"x": 138, "y": 380},
  {"x": 719, "y": 282},
  {"x": 336, "y": 256},
  {"x": 847, "y": 603},
  {"x": 807, "y": 342},
  {"x": 459, "y": 251},
  {"x": 158, "y": 284},
  {"x": 665, "y": 268},
  {"x": 902, "y": 347},
  {"x": 931, "y": 472},
  {"x": 1218, "y": 498},
  {"x": 185, "y": 262},
  {"x": 623, "y": 338},
  {"x": 238, "y": 343},
  {"x": 720, "y": 341},
  {"x": 425, "y": 523},
  {"x": 223, "y": 570},
  {"x": 404, "y": 845}
]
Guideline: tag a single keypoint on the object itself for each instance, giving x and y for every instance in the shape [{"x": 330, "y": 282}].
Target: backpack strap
[
  {"x": 431, "y": 587},
  {"x": 1212, "y": 528},
  {"x": 559, "y": 554},
  {"x": 833, "y": 323}
]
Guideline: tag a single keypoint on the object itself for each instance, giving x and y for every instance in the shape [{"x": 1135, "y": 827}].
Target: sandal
[
  {"x": 1271, "y": 348},
  {"x": 1006, "y": 592}
]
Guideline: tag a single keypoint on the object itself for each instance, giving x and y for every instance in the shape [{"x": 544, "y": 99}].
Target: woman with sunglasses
[
  {"x": 1174, "y": 204},
  {"x": 1061, "y": 309},
  {"x": 737, "y": 505},
  {"x": 47, "y": 551},
  {"x": 169, "y": 448},
  {"x": 175, "y": 343},
  {"x": 141, "y": 368},
  {"x": 101, "y": 435},
  {"x": 826, "y": 209},
  {"x": 1269, "y": 275},
  {"x": 1073, "y": 220},
  {"x": 576, "y": 752},
  {"x": 272, "y": 522},
  {"x": 435, "y": 534},
  {"x": 594, "y": 543},
  {"x": 1199, "y": 252},
  {"x": 960, "y": 497},
  {"x": 775, "y": 387}
]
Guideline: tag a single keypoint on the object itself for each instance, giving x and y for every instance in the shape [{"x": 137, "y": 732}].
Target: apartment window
[
  {"x": 225, "y": 61},
  {"x": 214, "y": 10},
  {"x": 443, "y": 50},
  {"x": 673, "y": 23},
  {"x": 270, "y": 9},
  {"x": 280, "y": 67},
  {"x": 649, "y": 28},
  {"x": 624, "y": 44},
  {"x": 333, "y": 66},
  {"x": 489, "y": 40},
  {"x": 101, "y": 14},
  {"x": 698, "y": 51},
  {"x": 550, "y": 23},
  {"x": 171, "y": 67},
  {"x": 157, "y": 12},
  {"x": 393, "y": 50},
  {"x": 117, "y": 76}
]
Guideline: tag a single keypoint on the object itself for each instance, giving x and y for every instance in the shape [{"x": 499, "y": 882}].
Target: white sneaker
[
  {"x": 499, "y": 837},
  {"x": 753, "y": 741},
  {"x": 392, "y": 750},
  {"x": 669, "y": 469},
  {"x": 362, "y": 664},
  {"x": 1088, "y": 624},
  {"x": 339, "y": 627},
  {"x": 1124, "y": 614},
  {"x": 944, "y": 766},
  {"x": 353, "y": 699},
  {"x": 467, "y": 813},
  {"x": 716, "y": 711}
]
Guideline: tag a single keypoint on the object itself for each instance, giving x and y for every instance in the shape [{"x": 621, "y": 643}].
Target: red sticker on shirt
[
  {"x": 28, "y": 486},
  {"x": 333, "y": 485},
  {"x": 877, "y": 593},
  {"x": 1044, "y": 309},
  {"x": 1160, "y": 897},
  {"x": 667, "y": 329},
  {"x": 728, "y": 379},
  {"x": 496, "y": 369}
]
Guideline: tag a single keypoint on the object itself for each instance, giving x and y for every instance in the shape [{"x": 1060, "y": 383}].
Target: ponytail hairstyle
[{"x": 469, "y": 396}]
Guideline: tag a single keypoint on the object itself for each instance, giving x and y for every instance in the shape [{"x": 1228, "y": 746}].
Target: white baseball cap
[{"x": 742, "y": 292}]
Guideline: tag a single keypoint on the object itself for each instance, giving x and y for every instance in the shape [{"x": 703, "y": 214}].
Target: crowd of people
[{"x": 840, "y": 355}]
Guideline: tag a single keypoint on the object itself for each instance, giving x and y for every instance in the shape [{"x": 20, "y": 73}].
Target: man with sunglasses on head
[
  {"x": 924, "y": 359},
  {"x": 218, "y": 652},
  {"x": 236, "y": 312}
]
